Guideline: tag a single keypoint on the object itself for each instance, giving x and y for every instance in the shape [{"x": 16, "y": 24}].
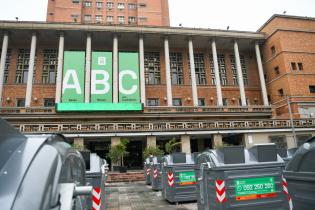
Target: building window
[
  {"x": 273, "y": 50},
  {"x": 75, "y": 18},
  {"x": 99, "y": 18},
  {"x": 87, "y": 4},
  {"x": 280, "y": 141},
  {"x": 132, "y": 6},
  {"x": 153, "y": 102},
  {"x": 22, "y": 66},
  {"x": 75, "y": 1},
  {"x": 312, "y": 88},
  {"x": 222, "y": 69},
  {"x": 131, "y": 19},
  {"x": 99, "y": 5},
  {"x": 109, "y": 5},
  {"x": 277, "y": 71},
  {"x": 302, "y": 138},
  {"x": 234, "y": 69},
  {"x": 142, "y": 5},
  {"x": 201, "y": 102},
  {"x": 152, "y": 68},
  {"x": 300, "y": 65},
  {"x": 177, "y": 102},
  {"x": 121, "y": 6},
  {"x": 20, "y": 102},
  {"x": 121, "y": 19},
  {"x": 176, "y": 64},
  {"x": 50, "y": 66},
  {"x": 225, "y": 101},
  {"x": 143, "y": 19},
  {"x": 280, "y": 92},
  {"x": 49, "y": 102},
  {"x": 87, "y": 18},
  {"x": 109, "y": 19},
  {"x": 293, "y": 66},
  {"x": 199, "y": 69},
  {"x": 7, "y": 64}
]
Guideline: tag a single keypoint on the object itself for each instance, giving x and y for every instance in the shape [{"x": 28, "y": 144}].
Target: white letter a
[{"x": 76, "y": 85}]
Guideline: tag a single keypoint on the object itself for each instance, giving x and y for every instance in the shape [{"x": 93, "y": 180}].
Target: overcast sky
[{"x": 217, "y": 14}]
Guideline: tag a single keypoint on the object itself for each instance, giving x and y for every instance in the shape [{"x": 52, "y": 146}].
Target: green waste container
[
  {"x": 178, "y": 178},
  {"x": 237, "y": 178},
  {"x": 299, "y": 177}
]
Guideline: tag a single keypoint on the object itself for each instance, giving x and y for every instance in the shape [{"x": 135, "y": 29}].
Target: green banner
[
  {"x": 129, "y": 91},
  {"x": 254, "y": 186},
  {"x": 101, "y": 77},
  {"x": 187, "y": 177},
  {"x": 73, "y": 77}
]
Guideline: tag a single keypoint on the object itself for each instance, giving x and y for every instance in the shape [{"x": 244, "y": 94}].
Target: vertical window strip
[
  {"x": 152, "y": 68},
  {"x": 176, "y": 64},
  {"x": 50, "y": 64}
]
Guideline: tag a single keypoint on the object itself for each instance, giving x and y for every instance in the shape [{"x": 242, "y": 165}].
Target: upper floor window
[
  {"x": 225, "y": 101},
  {"x": 143, "y": 19},
  {"x": 132, "y": 6},
  {"x": 273, "y": 50},
  {"x": 20, "y": 102},
  {"x": 121, "y": 19},
  {"x": 75, "y": 17},
  {"x": 177, "y": 102},
  {"x": 152, "y": 68},
  {"x": 276, "y": 70},
  {"x": 49, "y": 102},
  {"x": 234, "y": 70},
  {"x": 293, "y": 66},
  {"x": 110, "y": 5},
  {"x": 75, "y": 1},
  {"x": 201, "y": 102},
  {"x": 87, "y": 4},
  {"x": 99, "y": 4},
  {"x": 153, "y": 102},
  {"x": 50, "y": 66},
  {"x": 121, "y": 6},
  {"x": 176, "y": 64},
  {"x": 281, "y": 92},
  {"x": 131, "y": 19},
  {"x": 199, "y": 69},
  {"x": 110, "y": 19},
  {"x": 300, "y": 66},
  {"x": 141, "y": 5},
  {"x": 22, "y": 66},
  {"x": 222, "y": 69},
  {"x": 7, "y": 64},
  {"x": 312, "y": 88},
  {"x": 87, "y": 18},
  {"x": 99, "y": 18}
]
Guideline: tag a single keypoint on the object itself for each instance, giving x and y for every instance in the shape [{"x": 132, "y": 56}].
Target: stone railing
[{"x": 160, "y": 126}]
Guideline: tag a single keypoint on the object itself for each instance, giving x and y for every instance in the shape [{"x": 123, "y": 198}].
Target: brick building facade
[{"x": 109, "y": 12}]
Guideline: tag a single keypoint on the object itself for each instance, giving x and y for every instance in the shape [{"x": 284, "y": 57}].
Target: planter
[{"x": 123, "y": 169}]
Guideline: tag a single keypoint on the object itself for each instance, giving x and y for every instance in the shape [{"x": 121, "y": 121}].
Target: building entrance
[{"x": 134, "y": 158}]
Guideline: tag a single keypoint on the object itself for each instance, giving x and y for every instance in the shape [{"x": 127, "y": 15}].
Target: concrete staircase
[{"x": 130, "y": 176}]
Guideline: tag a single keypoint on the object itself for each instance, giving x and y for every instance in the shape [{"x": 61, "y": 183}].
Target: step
[{"x": 125, "y": 177}]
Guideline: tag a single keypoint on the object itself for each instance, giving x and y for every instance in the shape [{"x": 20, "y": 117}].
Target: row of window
[
  {"x": 151, "y": 64},
  {"x": 48, "y": 102},
  {"x": 201, "y": 102},
  {"x": 294, "y": 66},
  {"x": 110, "y": 19},
  {"x": 311, "y": 89},
  {"x": 111, "y": 5}
]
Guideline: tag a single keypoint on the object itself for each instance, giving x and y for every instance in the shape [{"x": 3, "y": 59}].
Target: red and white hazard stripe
[
  {"x": 96, "y": 198},
  {"x": 286, "y": 192},
  {"x": 170, "y": 177},
  {"x": 155, "y": 173},
  {"x": 220, "y": 191},
  {"x": 148, "y": 171}
]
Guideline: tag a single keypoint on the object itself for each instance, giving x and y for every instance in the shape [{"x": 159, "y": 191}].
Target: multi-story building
[
  {"x": 289, "y": 63},
  {"x": 109, "y": 12},
  {"x": 99, "y": 83}
]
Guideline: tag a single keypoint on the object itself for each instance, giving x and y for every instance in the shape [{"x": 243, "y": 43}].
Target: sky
[{"x": 243, "y": 15}]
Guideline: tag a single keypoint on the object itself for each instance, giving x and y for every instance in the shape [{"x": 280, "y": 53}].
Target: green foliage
[
  {"x": 171, "y": 146},
  {"x": 155, "y": 151},
  {"x": 118, "y": 152},
  {"x": 78, "y": 146}
]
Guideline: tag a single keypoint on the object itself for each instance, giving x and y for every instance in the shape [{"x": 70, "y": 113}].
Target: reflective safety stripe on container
[
  {"x": 286, "y": 192},
  {"x": 148, "y": 171},
  {"x": 220, "y": 191},
  {"x": 155, "y": 173},
  {"x": 170, "y": 177},
  {"x": 96, "y": 198}
]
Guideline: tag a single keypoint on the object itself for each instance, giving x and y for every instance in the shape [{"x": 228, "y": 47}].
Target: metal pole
[{"x": 291, "y": 120}]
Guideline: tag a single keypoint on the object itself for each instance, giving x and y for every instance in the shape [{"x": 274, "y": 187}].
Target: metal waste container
[
  {"x": 147, "y": 170},
  {"x": 299, "y": 177},
  {"x": 156, "y": 173},
  {"x": 40, "y": 172},
  {"x": 179, "y": 180},
  {"x": 237, "y": 178},
  {"x": 95, "y": 178}
]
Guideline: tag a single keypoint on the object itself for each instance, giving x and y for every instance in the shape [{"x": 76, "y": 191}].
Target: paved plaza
[{"x": 139, "y": 196}]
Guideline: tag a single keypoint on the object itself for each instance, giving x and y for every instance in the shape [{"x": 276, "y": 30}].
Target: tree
[
  {"x": 118, "y": 152},
  {"x": 155, "y": 151},
  {"x": 172, "y": 145}
]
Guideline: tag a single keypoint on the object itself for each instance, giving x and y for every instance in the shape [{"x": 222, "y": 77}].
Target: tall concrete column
[
  {"x": 168, "y": 73},
  {"x": 87, "y": 87},
  {"x": 59, "y": 69},
  {"x": 290, "y": 141},
  {"x": 142, "y": 71},
  {"x": 114, "y": 141},
  {"x": 192, "y": 72},
  {"x": 217, "y": 74},
  {"x": 2, "y": 63},
  {"x": 239, "y": 74},
  {"x": 261, "y": 75},
  {"x": 151, "y": 141},
  {"x": 185, "y": 140},
  {"x": 217, "y": 140},
  {"x": 115, "y": 69},
  {"x": 29, "y": 85}
]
